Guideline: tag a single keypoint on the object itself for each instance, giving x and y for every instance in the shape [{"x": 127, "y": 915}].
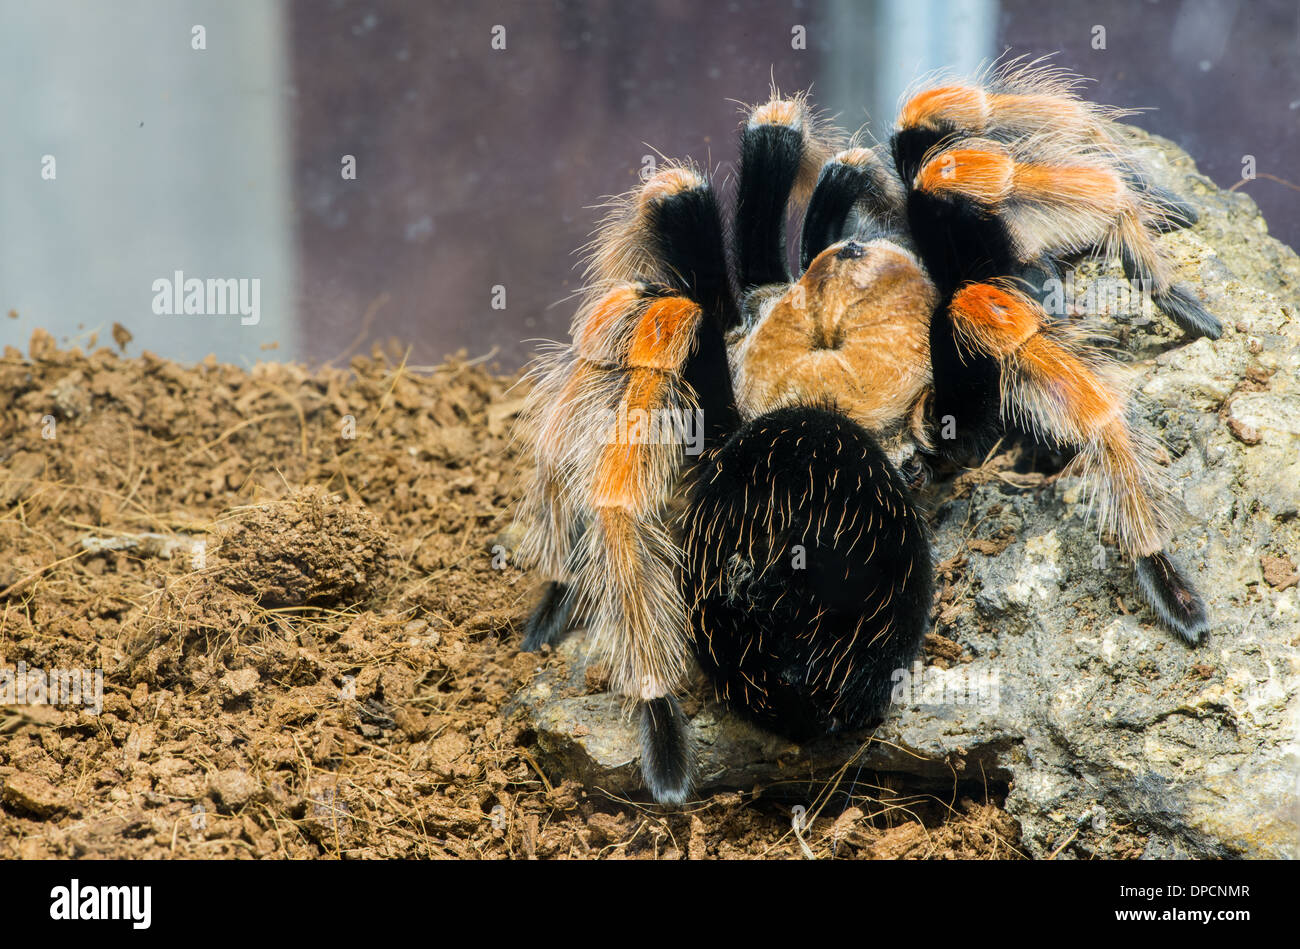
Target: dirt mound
[
  {"x": 286, "y": 579},
  {"x": 308, "y": 549}
]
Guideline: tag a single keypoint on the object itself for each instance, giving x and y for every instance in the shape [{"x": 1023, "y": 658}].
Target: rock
[
  {"x": 239, "y": 683},
  {"x": 453, "y": 444},
  {"x": 121, "y": 336},
  {"x": 33, "y": 796},
  {"x": 20, "y": 476},
  {"x": 42, "y": 346},
  {"x": 70, "y": 397},
  {"x": 232, "y": 789},
  {"x": 1111, "y": 735},
  {"x": 590, "y": 738}
]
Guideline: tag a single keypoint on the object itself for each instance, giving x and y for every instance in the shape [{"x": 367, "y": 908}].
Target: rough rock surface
[{"x": 1112, "y": 735}]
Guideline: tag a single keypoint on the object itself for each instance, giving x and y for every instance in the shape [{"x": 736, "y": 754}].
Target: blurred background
[{"x": 418, "y": 172}]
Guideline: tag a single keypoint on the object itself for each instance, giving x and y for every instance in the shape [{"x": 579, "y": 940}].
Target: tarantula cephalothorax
[{"x": 797, "y": 571}]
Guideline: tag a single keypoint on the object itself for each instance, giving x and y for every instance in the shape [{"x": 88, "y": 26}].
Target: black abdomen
[{"x": 807, "y": 573}]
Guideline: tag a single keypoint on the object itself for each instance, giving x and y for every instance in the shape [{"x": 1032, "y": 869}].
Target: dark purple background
[{"x": 478, "y": 167}]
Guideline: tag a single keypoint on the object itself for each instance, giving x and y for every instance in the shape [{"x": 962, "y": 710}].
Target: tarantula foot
[
  {"x": 1185, "y": 310},
  {"x": 1178, "y": 605},
  {"x": 667, "y": 758},
  {"x": 915, "y": 473},
  {"x": 550, "y": 620},
  {"x": 1042, "y": 279},
  {"x": 1174, "y": 212}
]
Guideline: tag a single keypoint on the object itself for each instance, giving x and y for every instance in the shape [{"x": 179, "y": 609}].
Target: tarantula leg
[
  {"x": 550, "y": 619},
  {"x": 1042, "y": 280},
  {"x": 932, "y": 117},
  {"x": 781, "y": 151},
  {"x": 958, "y": 242},
  {"x": 610, "y": 420},
  {"x": 1073, "y": 394},
  {"x": 771, "y": 154},
  {"x": 667, "y": 755},
  {"x": 683, "y": 230},
  {"x": 838, "y": 188},
  {"x": 1174, "y": 300},
  {"x": 854, "y": 184},
  {"x": 1016, "y": 100},
  {"x": 808, "y": 572},
  {"x": 1025, "y": 147},
  {"x": 1173, "y": 598},
  {"x": 1174, "y": 213},
  {"x": 1059, "y": 206},
  {"x": 1170, "y": 212}
]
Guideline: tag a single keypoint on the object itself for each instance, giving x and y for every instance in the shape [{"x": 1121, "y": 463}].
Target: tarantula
[{"x": 796, "y": 567}]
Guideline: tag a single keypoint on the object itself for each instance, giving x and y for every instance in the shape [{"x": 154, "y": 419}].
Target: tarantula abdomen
[{"x": 807, "y": 573}]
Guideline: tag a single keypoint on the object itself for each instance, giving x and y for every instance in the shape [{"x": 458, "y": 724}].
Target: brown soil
[{"x": 287, "y": 579}]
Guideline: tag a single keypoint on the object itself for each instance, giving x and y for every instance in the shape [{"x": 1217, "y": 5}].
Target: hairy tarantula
[{"x": 789, "y": 556}]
